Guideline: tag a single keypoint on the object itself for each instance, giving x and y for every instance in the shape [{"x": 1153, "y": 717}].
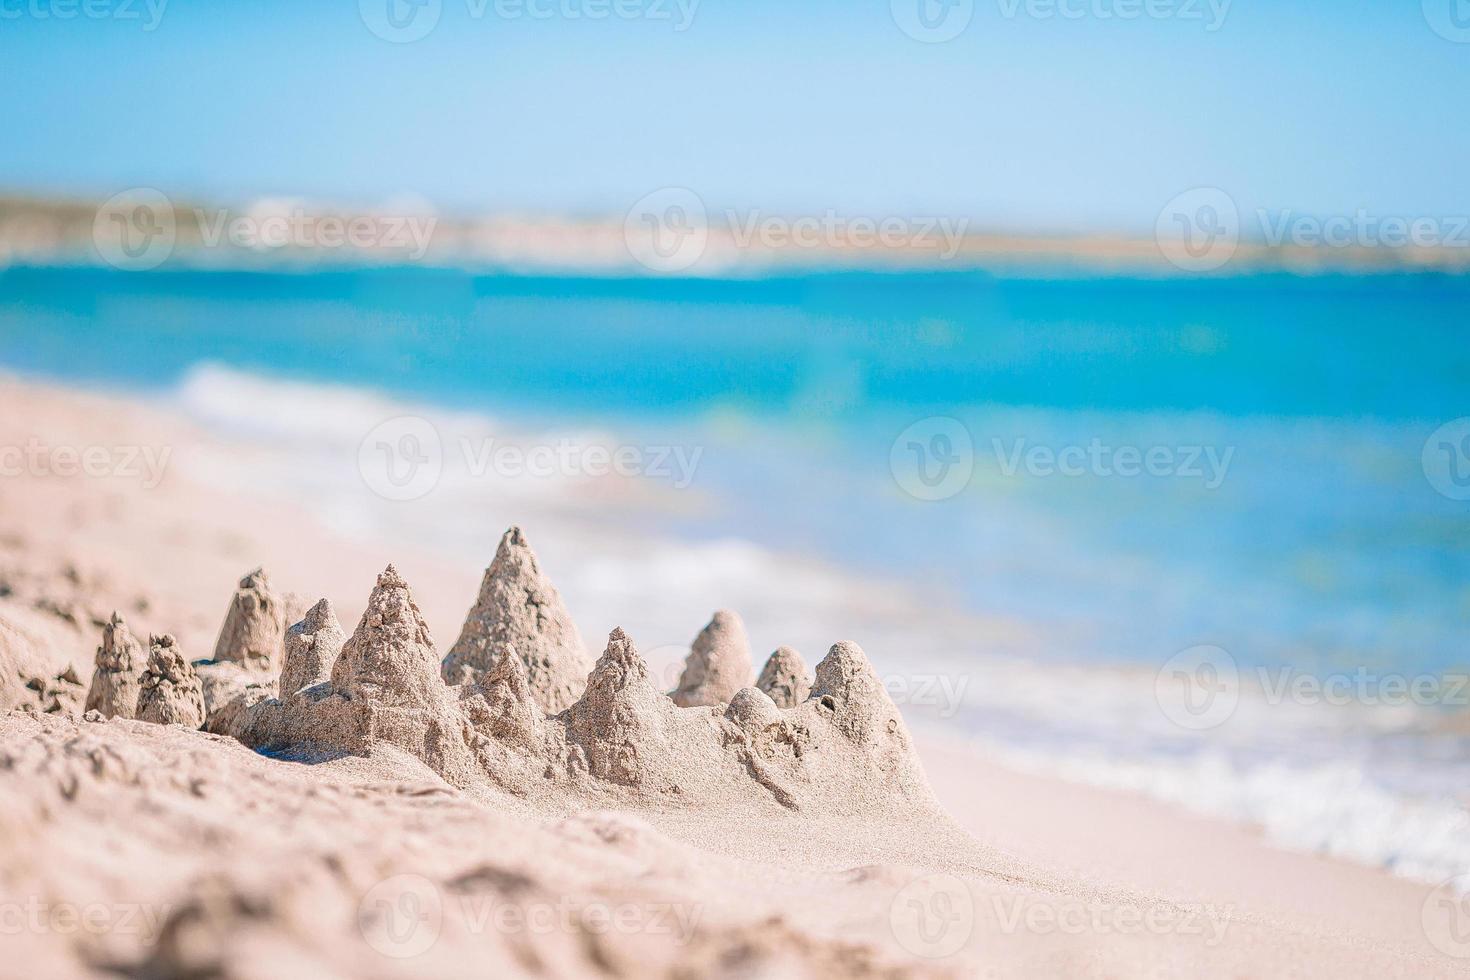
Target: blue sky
[{"x": 1022, "y": 121}]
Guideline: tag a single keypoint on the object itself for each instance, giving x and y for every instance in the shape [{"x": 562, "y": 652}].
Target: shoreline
[{"x": 170, "y": 556}]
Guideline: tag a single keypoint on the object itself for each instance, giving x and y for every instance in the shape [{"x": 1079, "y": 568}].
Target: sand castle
[
  {"x": 118, "y": 679},
  {"x": 170, "y": 692},
  {"x": 250, "y": 650},
  {"x": 784, "y": 678},
  {"x": 718, "y": 664},
  {"x": 518, "y": 608},
  {"x": 835, "y": 741}
]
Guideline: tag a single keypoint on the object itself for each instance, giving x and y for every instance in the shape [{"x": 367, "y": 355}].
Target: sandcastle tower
[
  {"x": 170, "y": 690},
  {"x": 518, "y": 610},
  {"x": 312, "y": 648},
  {"x": 118, "y": 678},
  {"x": 255, "y": 624},
  {"x": 718, "y": 664},
  {"x": 784, "y": 678}
]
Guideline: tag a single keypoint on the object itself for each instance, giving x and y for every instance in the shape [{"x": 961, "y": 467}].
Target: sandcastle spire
[
  {"x": 390, "y": 657},
  {"x": 847, "y": 685},
  {"x": 617, "y": 715},
  {"x": 312, "y": 647},
  {"x": 117, "y": 680},
  {"x": 518, "y": 608},
  {"x": 255, "y": 625},
  {"x": 718, "y": 664},
  {"x": 510, "y": 711},
  {"x": 170, "y": 690},
  {"x": 784, "y": 678}
]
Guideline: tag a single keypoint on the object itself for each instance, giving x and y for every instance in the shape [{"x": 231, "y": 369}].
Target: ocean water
[{"x": 1112, "y": 469}]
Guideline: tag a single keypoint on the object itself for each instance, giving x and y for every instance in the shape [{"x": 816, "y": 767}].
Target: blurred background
[{"x": 1095, "y": 363}]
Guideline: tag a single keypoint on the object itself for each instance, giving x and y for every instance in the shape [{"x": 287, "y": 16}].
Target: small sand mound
[
  {"x": 170, "y": 692},
  {"x": 312, "y": 648},
  {"x": 118, "y": 678},
  {"x": 784, "y": 678},
  {"x": 718, "y": 664},
  {"x": 518, "y": 608}
]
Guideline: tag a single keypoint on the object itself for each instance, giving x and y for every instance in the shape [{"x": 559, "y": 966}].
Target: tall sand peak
[
  {"x": 848, "y": 687},
  {"x": 170, "y": 691},
  {"x": 312, "y": 648},
  {"x": 118, "y": 676},
  {"x": 518, "y": 609},
  {"x": 718, "y": 664},
  {"x": 784, "y": 678},
  {"x": 390, "y": 657},
  {"x": 620, "y": 714},
  {"x": 253, "y": 634}
]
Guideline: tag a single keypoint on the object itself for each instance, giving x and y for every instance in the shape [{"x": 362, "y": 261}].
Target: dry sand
[{"x": 393, "y": 824}]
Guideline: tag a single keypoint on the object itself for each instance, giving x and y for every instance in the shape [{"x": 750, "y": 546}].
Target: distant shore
[{"x": 287, "y": 232}]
